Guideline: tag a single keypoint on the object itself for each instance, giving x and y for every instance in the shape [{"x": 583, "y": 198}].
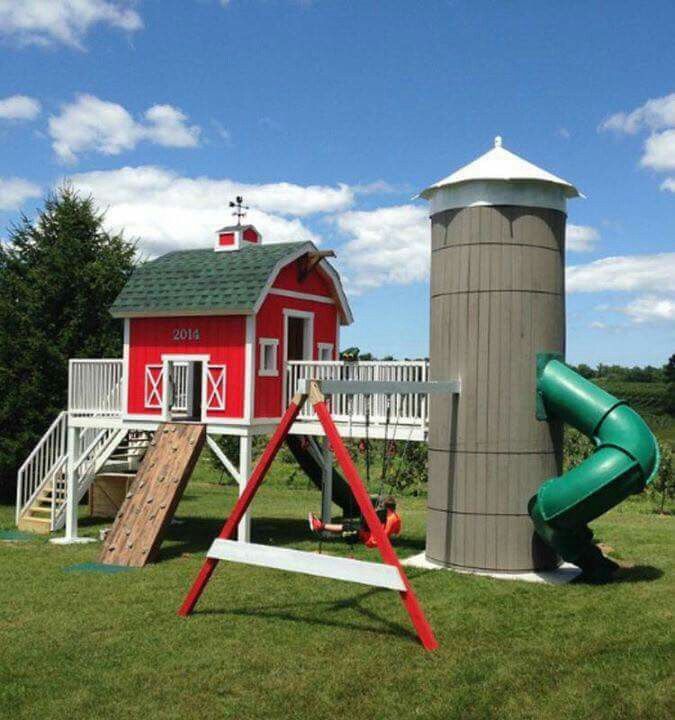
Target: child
[{"x": 386, "y": 513}]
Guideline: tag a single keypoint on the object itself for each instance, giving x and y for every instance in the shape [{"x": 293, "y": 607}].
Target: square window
[
  {"x": 325, "y": 352},
  {"x": 268, "y": 365}
]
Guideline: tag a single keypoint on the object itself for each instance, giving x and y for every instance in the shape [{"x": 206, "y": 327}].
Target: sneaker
[{"x": 315, "y": 525}]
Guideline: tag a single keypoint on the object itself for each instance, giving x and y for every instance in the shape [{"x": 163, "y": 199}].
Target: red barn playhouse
[
  {"x": 220, "y": 336},
  {"x": 220, "y": 325}
]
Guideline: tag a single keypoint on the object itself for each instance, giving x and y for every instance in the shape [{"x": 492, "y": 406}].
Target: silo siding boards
[{"x": 497, "y": 298}]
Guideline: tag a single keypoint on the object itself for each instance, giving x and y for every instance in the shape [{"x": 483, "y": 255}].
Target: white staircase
[{"x": 41, "y": 481}]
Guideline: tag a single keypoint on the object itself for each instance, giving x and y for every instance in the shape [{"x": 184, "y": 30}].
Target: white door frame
[
  {"x": 171, "y": 358},
  {"x": 307, "y": 349}
]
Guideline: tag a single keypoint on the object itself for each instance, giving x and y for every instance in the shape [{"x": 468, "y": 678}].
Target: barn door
[{"x": 215, "y": 387}]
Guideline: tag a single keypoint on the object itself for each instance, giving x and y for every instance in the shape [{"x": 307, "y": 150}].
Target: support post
[
  {"x": 71, "y": 485},
  {"x": 72, "y": 503},
  {"x": 245, "y": 455},
  {"x": 326, "y": 481}
]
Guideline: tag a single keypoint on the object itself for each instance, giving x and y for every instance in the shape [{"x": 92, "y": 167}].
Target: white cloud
[
  {"x": 19, "y": 107},
  {"x": 581, "y": 238},
  {"x": 387, "y": 245},
  {"x": 650, "y": 308},
  {"x": 169, "y": 212},
  {"x": 655, "y": 114},
  {"x": 659, "y": 152},
  {"x": 91, "y": 124},
  {"x": 668, "y": 184},
  {"x": 15, "y": 191},
  {"x": 637, "y": 273},
  {"x": 47, "y": 22}
]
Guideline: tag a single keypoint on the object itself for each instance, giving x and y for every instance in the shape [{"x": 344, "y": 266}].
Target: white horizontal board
[{"x": 337, "y": 568}]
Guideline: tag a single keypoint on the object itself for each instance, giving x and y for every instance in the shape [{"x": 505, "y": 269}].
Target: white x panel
[
  {"x": 154, "y": 381},
  {"x": 215, "y": 387}
]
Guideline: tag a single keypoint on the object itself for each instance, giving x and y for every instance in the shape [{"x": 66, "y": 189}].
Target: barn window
[
  {"x": 268, "y": 357},
  {"x": 325, "y": 351},
  {"x": 154, "y": 380}
]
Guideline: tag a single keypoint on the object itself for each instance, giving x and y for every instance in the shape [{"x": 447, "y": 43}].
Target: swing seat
[{"x": 330, "y": 566}]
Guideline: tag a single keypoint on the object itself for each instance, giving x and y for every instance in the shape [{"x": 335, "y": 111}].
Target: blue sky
[{"x": 328, "y": 115}]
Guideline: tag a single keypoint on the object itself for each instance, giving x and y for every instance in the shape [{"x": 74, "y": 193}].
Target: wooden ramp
[{"x": 141, "y": 522}]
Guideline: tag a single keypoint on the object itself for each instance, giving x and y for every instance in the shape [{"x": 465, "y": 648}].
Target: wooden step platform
[{"x": 141, "y": 522}]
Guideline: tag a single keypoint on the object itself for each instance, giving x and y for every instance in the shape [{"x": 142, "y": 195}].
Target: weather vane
[{"x": 239, "y": 206}]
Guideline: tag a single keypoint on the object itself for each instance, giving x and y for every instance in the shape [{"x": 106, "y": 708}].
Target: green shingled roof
[{"x": 194, "y": 281}]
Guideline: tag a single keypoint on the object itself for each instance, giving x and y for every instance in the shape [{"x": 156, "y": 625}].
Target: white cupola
[
  {"x": 500, "y": 177},
  {"x": 234, "y": 237}
]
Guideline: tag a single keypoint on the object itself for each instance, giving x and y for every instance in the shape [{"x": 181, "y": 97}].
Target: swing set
[{"x": 389, "y": 574}]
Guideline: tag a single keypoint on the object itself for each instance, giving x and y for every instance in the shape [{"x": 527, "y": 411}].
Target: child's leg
[{"x": 334, "y": 527}]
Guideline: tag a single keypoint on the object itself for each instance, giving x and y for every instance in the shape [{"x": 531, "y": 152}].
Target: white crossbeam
[
  {"x": 337, "y": 568},
  {"x": 385, "y": 387}
]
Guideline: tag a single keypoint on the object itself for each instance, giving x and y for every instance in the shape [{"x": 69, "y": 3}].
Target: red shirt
[{"x": 392, "y": 526}]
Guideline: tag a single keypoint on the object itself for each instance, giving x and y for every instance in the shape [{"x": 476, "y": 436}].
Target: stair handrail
[{"x": 59, "y": 452}]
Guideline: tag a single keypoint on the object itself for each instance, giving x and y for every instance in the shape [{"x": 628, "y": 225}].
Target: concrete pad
[{"x": 562, "y": 575}]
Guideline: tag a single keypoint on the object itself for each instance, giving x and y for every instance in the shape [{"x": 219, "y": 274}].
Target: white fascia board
[
  {"x": 183, "y": 313},
  {"x": 492, "y": 193}
]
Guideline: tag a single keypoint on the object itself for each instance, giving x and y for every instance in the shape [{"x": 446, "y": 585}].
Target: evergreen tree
[{"x": 59, "y": 273}]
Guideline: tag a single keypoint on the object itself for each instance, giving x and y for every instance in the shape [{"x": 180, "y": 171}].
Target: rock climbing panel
[{"x": 141, "y": 522}]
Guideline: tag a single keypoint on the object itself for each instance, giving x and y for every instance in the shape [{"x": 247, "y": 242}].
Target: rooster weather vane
[{"x": 239, "y": 206}]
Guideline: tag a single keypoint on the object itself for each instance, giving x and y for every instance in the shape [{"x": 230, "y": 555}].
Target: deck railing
[
  {"x": 95, "y": 387},
  {"x": 404, "y": 409}
]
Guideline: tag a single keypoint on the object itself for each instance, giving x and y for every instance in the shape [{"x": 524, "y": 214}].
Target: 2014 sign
[{"x": 183, "y": 334}]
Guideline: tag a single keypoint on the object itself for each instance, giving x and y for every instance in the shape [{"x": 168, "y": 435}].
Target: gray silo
[{"x": 497, "y": 299}]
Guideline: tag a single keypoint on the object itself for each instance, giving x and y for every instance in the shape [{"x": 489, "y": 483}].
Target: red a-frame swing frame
[{"x": 387, "y": 552}]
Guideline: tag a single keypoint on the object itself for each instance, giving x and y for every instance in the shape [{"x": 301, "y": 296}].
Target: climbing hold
[
  {"x": 149, "y": 500},
  {"x": 129, "y": 494},
  {"x": 130, "y": 545}
]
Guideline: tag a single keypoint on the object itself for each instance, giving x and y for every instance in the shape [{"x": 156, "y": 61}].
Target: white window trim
[
  {"x": 321, "y": 347},
  {"x": 262, "y": 344}
]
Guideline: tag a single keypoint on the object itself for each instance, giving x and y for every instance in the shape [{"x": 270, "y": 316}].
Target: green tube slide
[{"x": 624, "y": 462}]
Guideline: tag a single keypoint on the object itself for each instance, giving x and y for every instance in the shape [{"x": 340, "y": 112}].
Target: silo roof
[{"x": 501, "y": 164}]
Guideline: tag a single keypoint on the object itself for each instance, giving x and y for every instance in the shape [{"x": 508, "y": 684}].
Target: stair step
[
  {"x": 40, "y": 510},
  {"x": 40, "y": 526}
]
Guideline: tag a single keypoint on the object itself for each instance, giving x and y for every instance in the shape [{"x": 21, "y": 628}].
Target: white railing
[
  {"x": 404, "y": 409},
  {"x": 45, "y": 462},
  {"x": 95, "y": 387},
  {"x": 93, "y": 450}
]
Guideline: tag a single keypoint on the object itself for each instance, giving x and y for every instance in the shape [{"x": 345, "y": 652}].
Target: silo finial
[{"x": 498, "y": 141}]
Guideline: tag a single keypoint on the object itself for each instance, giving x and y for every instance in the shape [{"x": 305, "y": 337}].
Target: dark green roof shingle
[{"x": 195, "y": 281}]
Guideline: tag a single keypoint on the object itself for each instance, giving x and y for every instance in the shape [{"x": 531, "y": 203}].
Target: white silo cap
[{"x": 500, "y": 177}]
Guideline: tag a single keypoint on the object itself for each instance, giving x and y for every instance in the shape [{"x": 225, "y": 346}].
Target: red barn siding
[
  {"x": 250, "y": 235},
  {"x": 315, "y": 283},
  {"x": 270, "y": 324},
  {"x": 223, "y": 338}
]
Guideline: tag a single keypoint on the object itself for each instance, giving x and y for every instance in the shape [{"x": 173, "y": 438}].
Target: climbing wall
[{"x": 149, "y": 505}]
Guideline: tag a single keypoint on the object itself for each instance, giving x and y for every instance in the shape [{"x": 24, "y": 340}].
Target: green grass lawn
[{"x": 266, "y": 644}]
